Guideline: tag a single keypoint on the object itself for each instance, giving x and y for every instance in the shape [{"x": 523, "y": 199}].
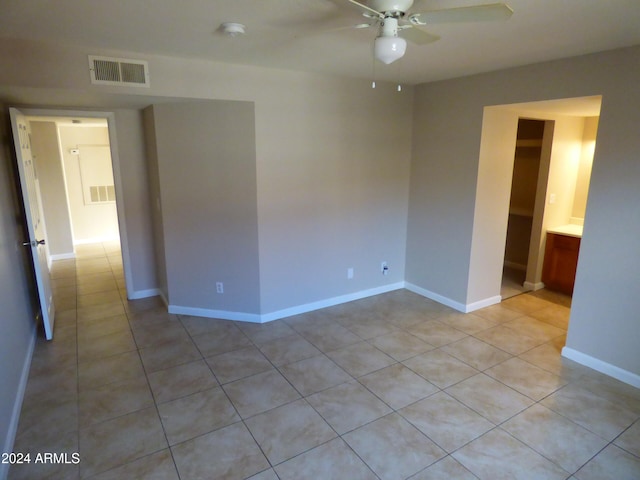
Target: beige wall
[
  {"x": 584, "y": 167},
  {"x": 89, "y": 222},
  {"x": 206, "y": 172},
  {"x": 444, "y": 153},
  {"x": 134, "y": 216},
  {"x": 447, "y": 132},
  {"x": 44, "y": 139}
]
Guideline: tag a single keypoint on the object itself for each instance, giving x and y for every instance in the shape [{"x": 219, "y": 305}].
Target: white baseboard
[
  {"x": 602, "y": 367},
  {"x": 461, "y": 307},
  {"x": 210, "y": 313},
  {"x": 138, "y": 294},
  {"x": 17, "y": 406},
  {"x": 287, "y": 312},
  {"x": 329, "y": 302},
  {"x": 487, "y": 302},
  {"x": 62, "y": 256},
  {"x": 533, "y": 286}
]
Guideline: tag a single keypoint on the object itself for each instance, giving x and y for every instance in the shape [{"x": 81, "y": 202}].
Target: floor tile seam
[
  {"x": 453, "y": 459},
  {"x": 369, "y": 341},
  {"x": 608, "y": 400},
  {"x": 511, "y": 355},
  {"x": 545, "y": 456},
  {"x": 449, "y": 453},
  {"x": 264, "y": 453},
  {"x": 322, "y": 444},
  {"x": 110, "y": 384},
  {"x": 624, "y": 449},
  {"x": 570, "y": 420},
  {"x": 112, "y": 469},
  {"x": 533, "y": 402},
  {"x": 515, "y": 389},
  {"x": 397, "y": 410},
  {"x": 90, "y": 425},
  {"x": 120, "y": 465},
  {"x": 448, "y": 386}
]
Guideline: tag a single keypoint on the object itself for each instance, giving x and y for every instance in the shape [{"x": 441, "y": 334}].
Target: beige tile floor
[{"x": 390, "y": 387}]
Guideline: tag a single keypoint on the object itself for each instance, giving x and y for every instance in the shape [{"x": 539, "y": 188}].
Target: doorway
[
  {"x": 84, "y": 144},
  {"x": 573, "y": 123},
  {"x": 526, "y": 184}
]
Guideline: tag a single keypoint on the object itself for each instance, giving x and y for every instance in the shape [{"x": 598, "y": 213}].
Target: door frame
[{"x": 117, "y": 176}]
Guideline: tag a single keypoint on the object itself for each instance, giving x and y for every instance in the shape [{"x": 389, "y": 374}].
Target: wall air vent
[{"x": 118, "y": 71}]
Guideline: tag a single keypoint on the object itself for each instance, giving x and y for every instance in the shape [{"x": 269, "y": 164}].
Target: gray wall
[
  {"x": 338, "y": 147},
  {"x": 16, "y": 295},
  {"x": 135, "y": 197},
  {"x": 206, "y": 164},
  {"x": 44, "y": 139},
  {"x": 447, "y": 129}
]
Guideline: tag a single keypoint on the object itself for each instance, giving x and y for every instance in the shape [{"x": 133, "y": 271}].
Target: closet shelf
[
  {"x": 529, "y": 142},
  {"x": 521, "y": 212}
]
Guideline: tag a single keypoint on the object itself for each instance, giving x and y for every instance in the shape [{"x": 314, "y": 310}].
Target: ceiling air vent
[{"x": 118, "y": 71}]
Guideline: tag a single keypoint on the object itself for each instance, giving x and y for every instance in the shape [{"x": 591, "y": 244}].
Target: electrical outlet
[
  {"x": 384, "y": 268},
  {"x": 219, "y": 287},
  {"x": 350, "y": 273}
]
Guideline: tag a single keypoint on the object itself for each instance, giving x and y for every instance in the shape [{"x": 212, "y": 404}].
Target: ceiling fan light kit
[
  {"x": 395, "y": 22},
  {"x": 389, "y": 49},
  {"x": 388, "y": 46}
]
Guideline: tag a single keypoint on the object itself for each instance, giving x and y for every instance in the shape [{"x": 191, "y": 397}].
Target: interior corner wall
[
  {"x": 493, "y": 191},
  {"x": 137, "y": 205},
  {"x": 17, "y": 295},
  {"x": 333, "y": 180},
  {"x": 206, "y": 167},
  {"x": 46, "y": 150},
  {"x": 155, "y": 210},
  {"x": 447, "y": 131}
]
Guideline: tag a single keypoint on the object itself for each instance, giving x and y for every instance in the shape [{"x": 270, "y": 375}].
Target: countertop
[{"x": 569, "y": 230}]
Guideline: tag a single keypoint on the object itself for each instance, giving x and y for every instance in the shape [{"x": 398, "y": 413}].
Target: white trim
[
  {"x": 138, "y": 294},
  {"x": 461, "y": 307},
  {"x": 210, "y": 313},
  {"x": 163, "y": 298},
  {"x": 12, "y": 430},
  {"x": 487, "y": 302},
  {"x": 533, "y": 286},
  {"x": 278, "y": 314},
  {"x": 62, "y": 256},
  {"x": 117, "y": 176},
  {"x": 601, "y": 366},
  {"x": 329, "y": 302}
]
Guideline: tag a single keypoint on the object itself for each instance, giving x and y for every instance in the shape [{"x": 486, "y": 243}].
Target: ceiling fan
[{"x": 396, "y": 24}]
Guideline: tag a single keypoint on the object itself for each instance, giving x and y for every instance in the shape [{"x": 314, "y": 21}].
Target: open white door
[{"x": 35, "y": 220}]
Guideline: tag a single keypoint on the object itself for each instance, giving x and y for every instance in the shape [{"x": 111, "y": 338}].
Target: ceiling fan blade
[
  {"x": 477, "y": 13},
  {"x": 367, "y": 8},
  {"x": 416, "y": 35}
]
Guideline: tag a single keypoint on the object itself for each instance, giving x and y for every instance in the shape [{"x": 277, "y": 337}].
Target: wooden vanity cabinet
[{"x": 560, "y": 262}]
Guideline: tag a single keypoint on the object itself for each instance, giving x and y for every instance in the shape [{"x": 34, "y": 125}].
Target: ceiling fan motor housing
[{"x": 390, "y": 5}]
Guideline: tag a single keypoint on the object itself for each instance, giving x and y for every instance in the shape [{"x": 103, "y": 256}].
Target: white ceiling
[{"x": 306, "y": 35}]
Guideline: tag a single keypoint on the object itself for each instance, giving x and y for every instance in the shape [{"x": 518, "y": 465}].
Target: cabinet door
[{"x": 560, "y": 262}]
